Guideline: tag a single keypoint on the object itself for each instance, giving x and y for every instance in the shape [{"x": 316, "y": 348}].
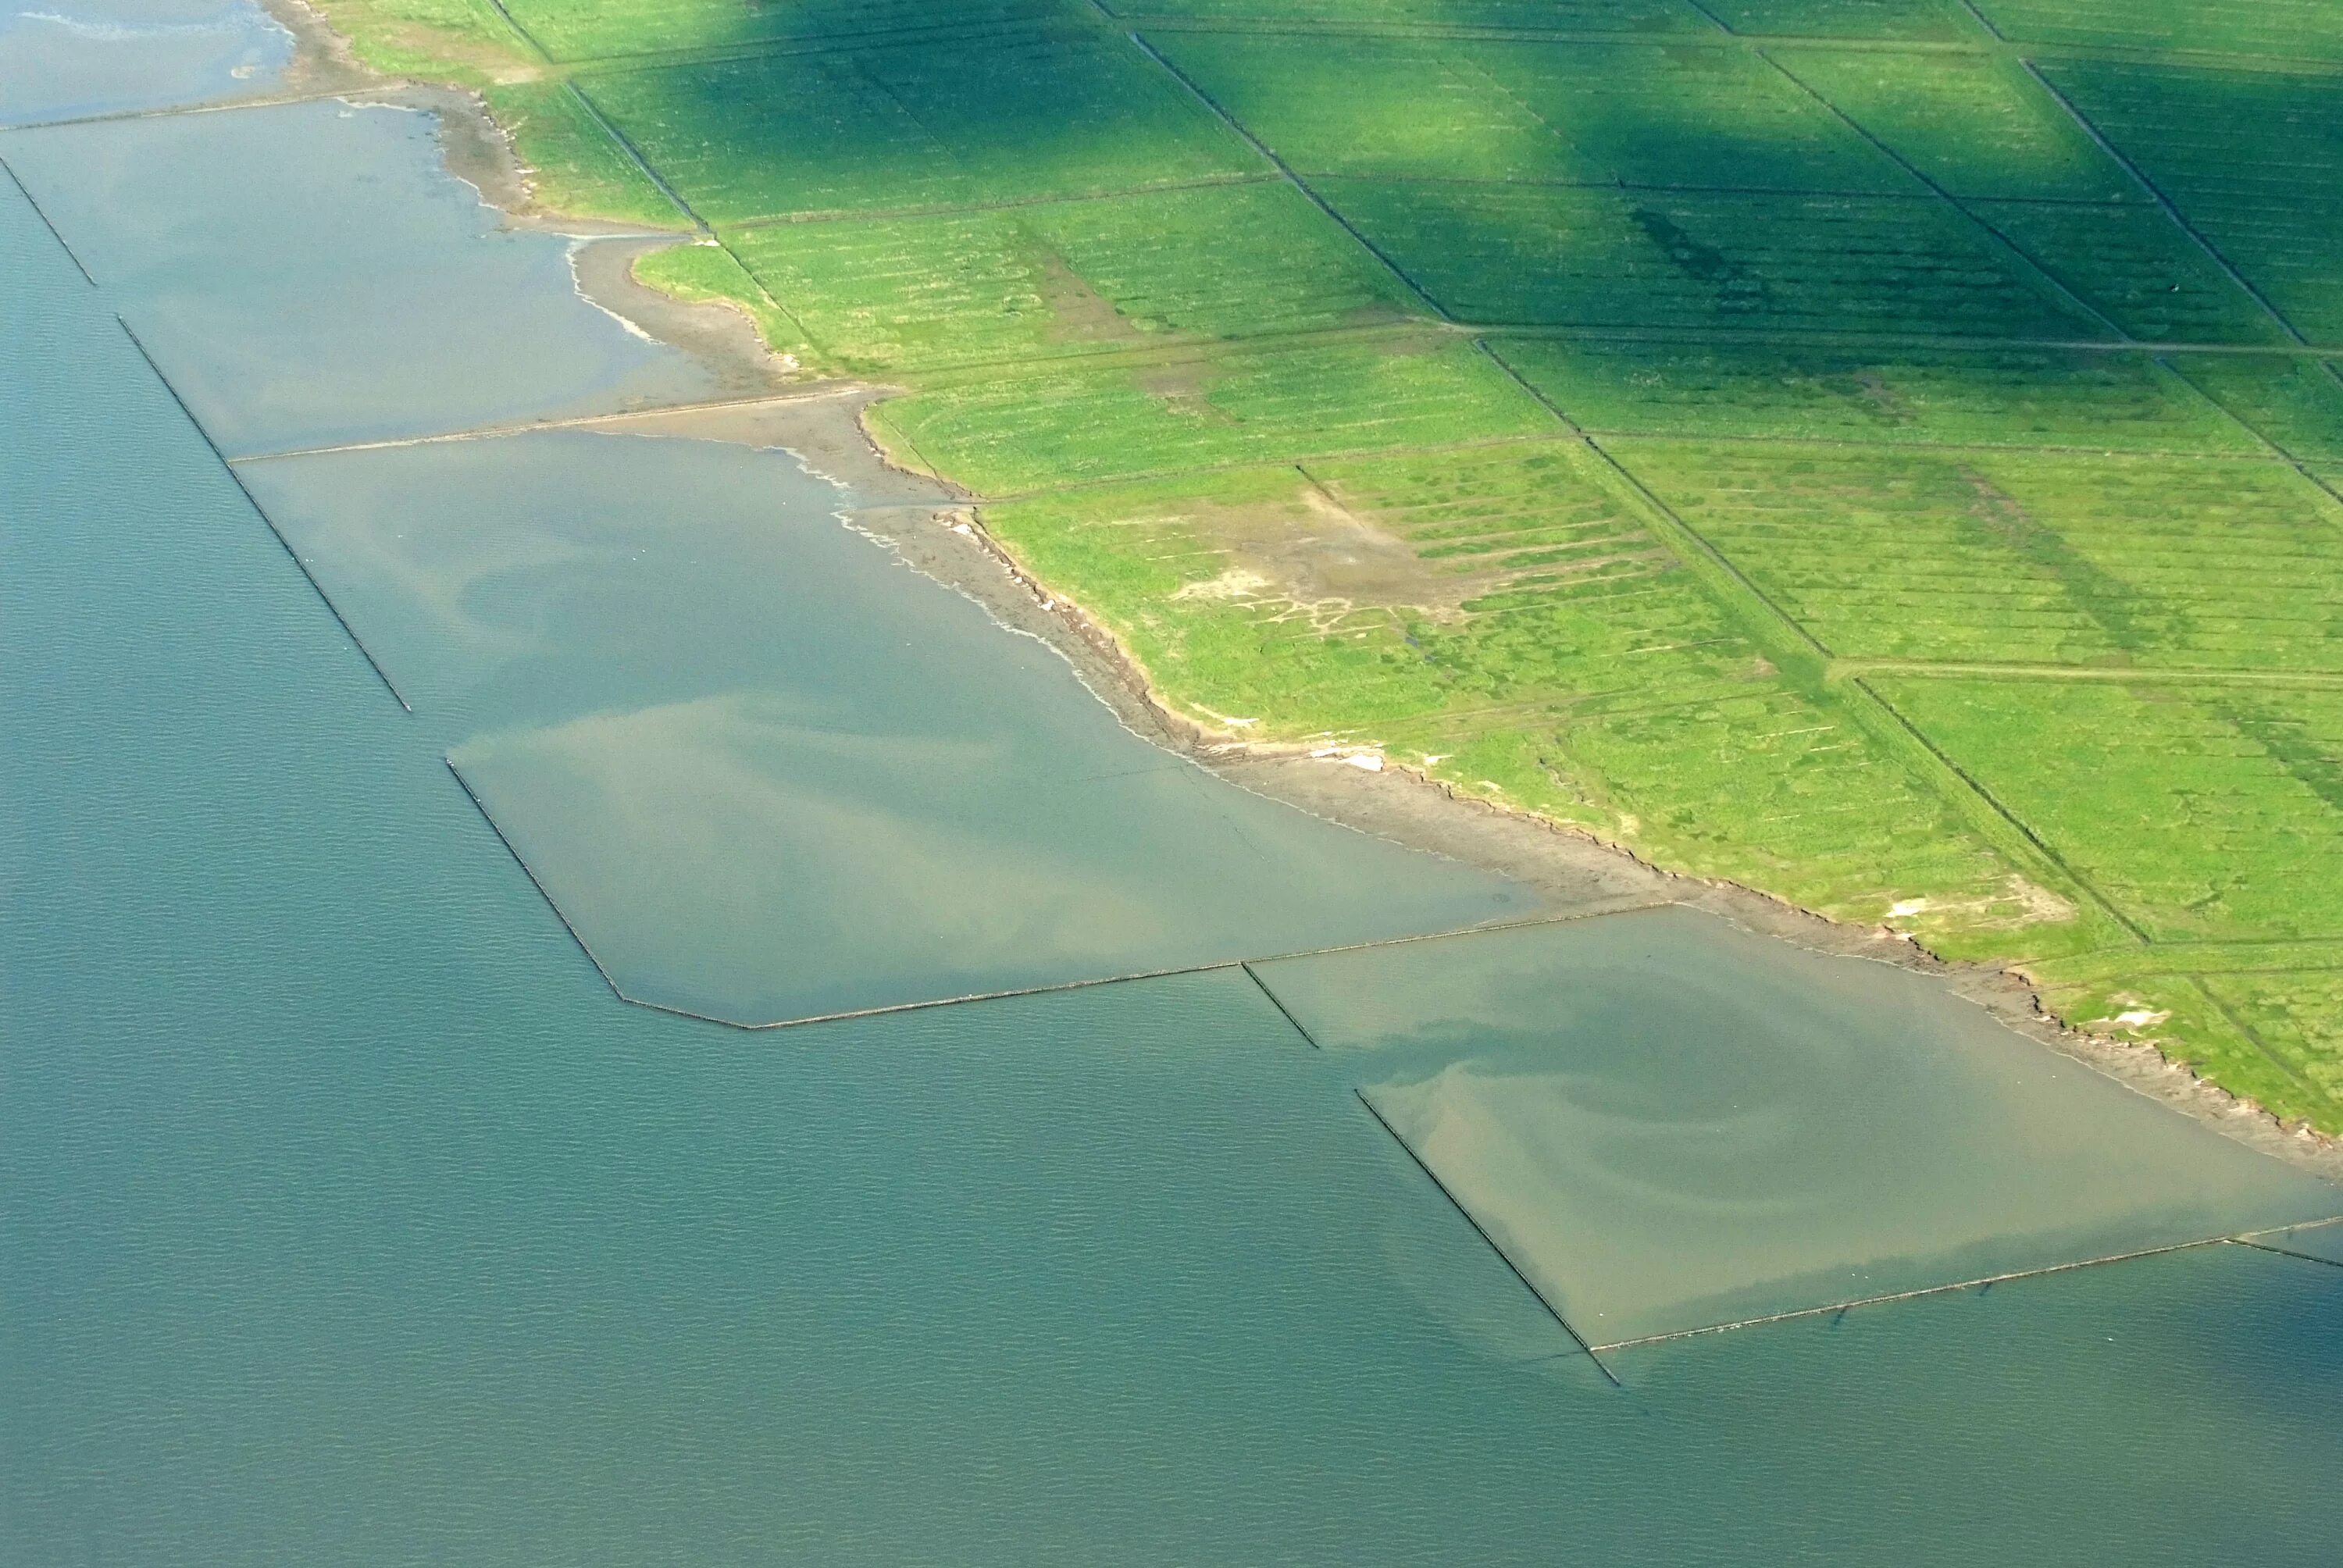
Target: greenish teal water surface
[{"x": 346, "y": 1217}]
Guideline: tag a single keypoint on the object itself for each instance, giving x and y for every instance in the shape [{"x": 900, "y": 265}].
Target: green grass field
[
  {"x": 1510, "y": 255},
  {"x": 1881, "y": 451},
  {"x": 1212, "y": 262},
  {"x": 2026, "y": 397},
  {"x": 581, "y": 30}
]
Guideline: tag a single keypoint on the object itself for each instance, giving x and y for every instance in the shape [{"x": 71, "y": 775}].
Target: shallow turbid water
[
  {"x": 308, "y": 274},
  {"x": 2322, "y": 1242},
  {"x": 70, "y": 59},
  {"x": 1668, "y": 1124},
  {"x": 768, "y": 772},
  {"x": 346, "y": 1217}
]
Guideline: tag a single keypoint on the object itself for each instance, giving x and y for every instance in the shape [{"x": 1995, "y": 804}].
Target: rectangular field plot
[
  {"x": 1521, "y": 254},
  {"x": 2296, "y": 1019},
  {"x": 1214, "y": 261},
  {"x": 2208, "y": 814},
  {"x": 1503, "y": 619},
  {"x": 2013, "y": 398},
  {"x": 594, "y": 29},
  {"x": 2288, "y": 29},
  {"x": 1977, "y": 125},
  {"x": 1930, "y": 20},
  {"x": 1668, "y": 1124},
  {"x": 1584, "y": 113},
  {"x": 953, "y": 124},
  {"x": 1039, "y": 431},
  {"x": 1693, "y": 118},
  {"x": 2253, "y": 161},
  {"x": 2139, "y": 268},
  {"x": 1563, "y": 15},
  {"x": 2007, "y": 558},
  {"x": 2296, "y": 404}
]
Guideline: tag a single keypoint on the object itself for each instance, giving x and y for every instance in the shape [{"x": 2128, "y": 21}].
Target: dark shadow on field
[{"x": 573, "y": 32}]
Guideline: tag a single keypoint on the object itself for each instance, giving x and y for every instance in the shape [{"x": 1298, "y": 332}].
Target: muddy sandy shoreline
[{"x": 934, "y": 529}]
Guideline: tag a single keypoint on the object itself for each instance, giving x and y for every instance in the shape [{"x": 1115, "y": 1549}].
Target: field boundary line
[
  {"x": 1573, "y": 436},
  {"x": 1685, "y": 541},
  {"x": 2195, "y": 958},
  {"x": 2146, "y": 675},
  {"x": 523, "y": 33},
  {"x": 805, "y": 333},
  {"x": 2008, "y": 246},
  {"x": 783, "y": 47},
  {"x": 1890, "y": 342},
  {"x": 1800, "y": 193},
  {"x": 1767, "y": 624},
  {"x": 634, "y": 155},
  {"x": 934, "y": 375},
  {"x": 1984, "y": 21},
  {"x": 1490, "y": 1241},
  {"x": 2272, "y": 458},
  {"x": 822, "y": 216},
  {"x": 1281, "y": 459},
  {"x": 1177, "y": 351},
  {"x": 1713, "y": 19},
  {"x": 2252, "y": 1037},
  {"x": 266, "y": 521},
  {"x": 1995, "y": 44},
  {"x": 2171, "y": 209},
  {"x": 2264, "y": 436},
  {"x": 1977, "y": 789},
  {"x": 1263, "y": 149},
  {"x": 47, "y": 222},
  {"x": 1722, "y": 38},
  {"x": 1717, "y": 36}
]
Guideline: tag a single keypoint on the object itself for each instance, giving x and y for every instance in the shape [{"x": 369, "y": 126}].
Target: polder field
[{"x": 1888, "y": 453}]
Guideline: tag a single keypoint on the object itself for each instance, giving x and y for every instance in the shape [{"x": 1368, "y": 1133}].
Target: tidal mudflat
[{"x": 353, "y": 1219}]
